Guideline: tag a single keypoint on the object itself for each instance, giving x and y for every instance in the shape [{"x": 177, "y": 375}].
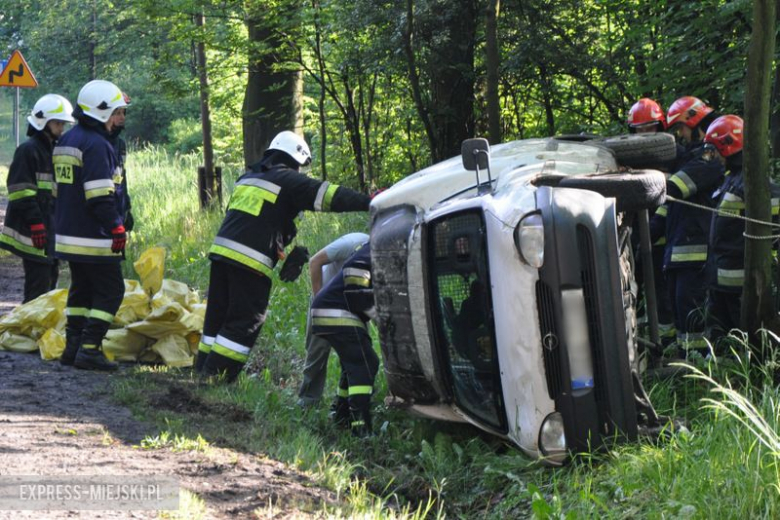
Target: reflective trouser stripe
[
  {"x": 686, "y": 185},
  {"x": 83, "y": 246},
  {"x": 205, "y": 344},
  {"x": 77, "y": 311},
  {"x": 696, "y": 253},
  {"x": 660, "y": 242},
  {"x": 101, "y": 315},
  {"x": 731, "y": 277},
  {"x": 360, "y": 390},
  {"x": 89, "y": 346},
  {"x": 692, "y": 340},
  {"x": 19, "y": 242},
  {"x": 342, "y": 392},
  {"x": 662, "y": 211},
  {"x": 230, "y": 349},
  {"x": 667, "y": 330}
]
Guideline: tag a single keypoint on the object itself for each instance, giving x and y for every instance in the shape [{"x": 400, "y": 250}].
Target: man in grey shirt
[{"x": 322, "y": 267}]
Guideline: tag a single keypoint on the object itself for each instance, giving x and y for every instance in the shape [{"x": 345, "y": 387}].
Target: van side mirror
[{"x": 475, "y": 154}]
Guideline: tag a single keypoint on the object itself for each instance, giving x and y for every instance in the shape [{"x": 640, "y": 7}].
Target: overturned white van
[{"x": 505, "y": 296}]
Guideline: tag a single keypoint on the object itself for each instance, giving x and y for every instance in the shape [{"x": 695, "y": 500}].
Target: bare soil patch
[{"x": 57, "y": 421}]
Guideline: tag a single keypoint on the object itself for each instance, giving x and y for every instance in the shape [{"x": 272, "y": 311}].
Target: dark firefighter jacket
[
  {"x": 120, "y": 147},
  {"x": 89, "y": 195},
  {"x": 259, "y": 222},
  {"x": 727, "y": 242},
  {"x": 30, "y": 199},
  {"x": 332, "y": 308},
  {"x": 687, "y": 227}
]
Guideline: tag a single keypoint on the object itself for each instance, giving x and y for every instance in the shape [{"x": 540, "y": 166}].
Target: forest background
[{"x": 381, "y": 89}]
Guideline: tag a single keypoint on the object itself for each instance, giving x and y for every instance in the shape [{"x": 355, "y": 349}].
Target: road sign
[{"x": 17, "y": 73}]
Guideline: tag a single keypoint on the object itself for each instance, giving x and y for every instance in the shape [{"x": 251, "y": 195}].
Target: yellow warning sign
[{"x": 17, "y": 73}]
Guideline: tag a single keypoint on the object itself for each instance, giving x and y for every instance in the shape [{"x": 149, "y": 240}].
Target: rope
[{"x": 731, "y": 215}]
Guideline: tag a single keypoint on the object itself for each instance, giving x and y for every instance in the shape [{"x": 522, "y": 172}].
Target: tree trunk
[
  {"x": 272, "y": 102},
  {"x": 210, "y": 188},
  {"x": 451, "y": 72},
  {"x": 492, "y": 65},
  {"x": 414, "y": 77},
  {"x": 757, "y": 304},
  {"x": 323, "y": 91},
  {"x": 774, "y": 126}
]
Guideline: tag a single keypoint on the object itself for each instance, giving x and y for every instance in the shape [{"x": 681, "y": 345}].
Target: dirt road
[{"x": 58, "y": 421}]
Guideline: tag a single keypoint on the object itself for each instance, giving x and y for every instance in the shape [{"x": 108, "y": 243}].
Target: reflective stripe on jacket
[
  {"x": 687, "y": 227},
  {"x": 30, "y": 199},
  {"x": 727, "y": 242},
  {"x": 260, "y": 216},
  {"x": 85, "y": 165},
  {"x": 330, "y": 310}
]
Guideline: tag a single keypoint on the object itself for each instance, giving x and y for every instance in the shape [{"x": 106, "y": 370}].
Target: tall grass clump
[
  {"x": 166, "y": 208},
  {"x": 725, "y": 466}
]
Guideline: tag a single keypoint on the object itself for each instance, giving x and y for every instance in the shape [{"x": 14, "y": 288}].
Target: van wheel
[
  {"x": 630, "y": 294},
  {"x": 642, "y": 150},
  {"x": 634, "y": 191}
]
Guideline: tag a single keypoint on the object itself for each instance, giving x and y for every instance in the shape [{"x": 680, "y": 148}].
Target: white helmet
[
  {"x": 98, "y": 99},
  {"x": 51, "y": 107},
  {"x": 293, "y": 145}
]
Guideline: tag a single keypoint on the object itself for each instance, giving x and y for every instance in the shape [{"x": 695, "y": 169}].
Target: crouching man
[{"x": 340, "y": 314}]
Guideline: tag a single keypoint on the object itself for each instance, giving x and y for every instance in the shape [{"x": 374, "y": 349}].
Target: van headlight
[
  {"x": 552, "y": 439},
  {"x": 529, "y": 240}
]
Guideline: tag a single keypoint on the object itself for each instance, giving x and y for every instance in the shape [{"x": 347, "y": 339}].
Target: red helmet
[
  {"x": 646, "y": 112},
  {"x": 725, "y": 133},
  {"x": 688, "y": 110}
]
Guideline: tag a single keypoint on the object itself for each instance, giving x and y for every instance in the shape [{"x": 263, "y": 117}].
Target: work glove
[
  {"x": 119, "y": 239},
  {"x": 293, "y": 264},
  {"x": 38, "y": 236},
  {"x": 129, "y": 222}
]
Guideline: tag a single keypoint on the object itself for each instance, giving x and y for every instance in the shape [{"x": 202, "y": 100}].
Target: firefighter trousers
[
  {"x": 688, "y": 294},
  {"x": 359, "y": 365},
  {"x": 94, "y": 296},
  {"x": 39, "y": 278},
  {"x": 235, "y": 313}
]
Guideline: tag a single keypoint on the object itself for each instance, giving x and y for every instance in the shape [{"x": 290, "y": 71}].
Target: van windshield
[{"x": 463, "y": 314}]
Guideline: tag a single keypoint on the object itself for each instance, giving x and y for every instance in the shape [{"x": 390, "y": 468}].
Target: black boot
[
  {"x": 72, "y": 342},
  {"x": 94, "y": 359},
  {"x": 200, "y": 362},
  {"x": 360, "y": 426},
  {"x": 339, "y": 412}
]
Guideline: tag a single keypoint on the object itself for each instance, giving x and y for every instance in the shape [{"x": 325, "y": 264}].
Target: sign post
[{"x": 17, "y": 74}]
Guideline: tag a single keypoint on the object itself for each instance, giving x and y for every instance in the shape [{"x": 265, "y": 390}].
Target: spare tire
[
  {"x": 633, "y": 191},
  {"x": 642, "y": 150}
]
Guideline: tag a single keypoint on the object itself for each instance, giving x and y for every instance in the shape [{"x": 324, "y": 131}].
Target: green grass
[{"x": 726, "y": 466}]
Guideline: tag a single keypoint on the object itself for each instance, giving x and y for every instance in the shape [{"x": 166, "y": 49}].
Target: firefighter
[
  {"x": 120, "y": 147},
  {"x": 323, "y": 266},
  {"x": 28, "y": 229},
  {"x": 727, "y": 242},
  {"x": 647, "y": 116},
  {"x": 258, "y": 225},
  {"x": 340, "y": 314},
  {"x": 687, "y": 120},
  {"x": 687, "y": 227},
  {"x": 90, "y": 232}
]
